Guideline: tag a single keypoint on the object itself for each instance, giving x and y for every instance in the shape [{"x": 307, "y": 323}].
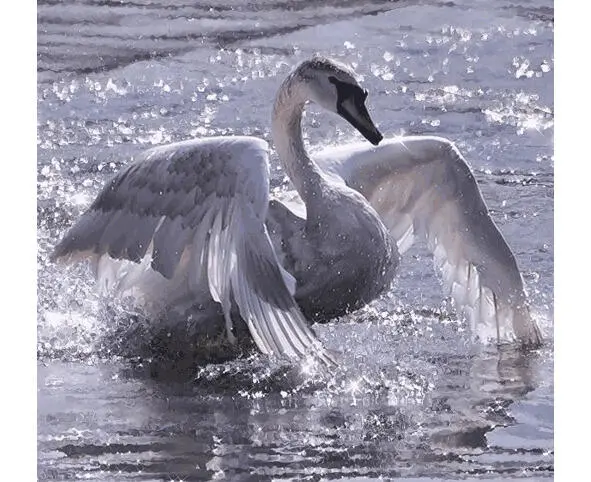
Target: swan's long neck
[{"x": 287, "y": 136}]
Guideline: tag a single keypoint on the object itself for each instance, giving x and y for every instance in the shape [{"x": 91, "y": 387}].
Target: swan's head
[{"x": 333, "y": 86}]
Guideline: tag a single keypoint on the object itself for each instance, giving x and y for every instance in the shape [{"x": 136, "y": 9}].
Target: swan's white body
[{"x": 188, "y": 225}]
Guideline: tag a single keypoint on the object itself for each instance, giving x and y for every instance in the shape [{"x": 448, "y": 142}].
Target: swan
[{"x": 192, "y": 224}]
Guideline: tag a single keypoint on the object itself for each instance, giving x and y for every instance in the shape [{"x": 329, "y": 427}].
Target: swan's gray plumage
[{"x": 190, "y": 222}]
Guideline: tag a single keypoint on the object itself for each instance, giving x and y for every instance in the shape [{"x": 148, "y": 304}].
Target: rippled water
[{"x": 414, "y": 397}]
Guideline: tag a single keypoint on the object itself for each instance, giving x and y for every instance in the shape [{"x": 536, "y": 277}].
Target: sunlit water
[{"x": 414, "y": 396}]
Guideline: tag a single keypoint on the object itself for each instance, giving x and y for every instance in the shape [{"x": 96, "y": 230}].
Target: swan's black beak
[
  {"x": 351, "y": 107},
  {"x": 356, "y": 114}
]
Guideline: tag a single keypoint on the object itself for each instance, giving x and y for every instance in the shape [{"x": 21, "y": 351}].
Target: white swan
[{"x": 189, "y": 223}]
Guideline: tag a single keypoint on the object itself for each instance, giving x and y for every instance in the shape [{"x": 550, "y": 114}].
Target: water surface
[{"x": 415, "y": 397}]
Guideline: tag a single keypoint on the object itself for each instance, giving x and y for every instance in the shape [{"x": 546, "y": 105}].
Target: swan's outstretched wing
[
  {"x": 194, "y": 213},
  {"x": 421, "y": 186}
]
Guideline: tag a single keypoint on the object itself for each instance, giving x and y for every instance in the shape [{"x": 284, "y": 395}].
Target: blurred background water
[{"x": 415, "y": 397}]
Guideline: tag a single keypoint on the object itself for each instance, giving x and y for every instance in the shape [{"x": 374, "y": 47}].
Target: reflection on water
[{"x": 241, "y": 419}]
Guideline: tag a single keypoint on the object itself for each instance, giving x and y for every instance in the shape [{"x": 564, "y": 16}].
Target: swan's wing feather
[
  {"x": 190, "y": 217},
  {"x": 266, "y": 298},
  {"x": 422, "y": 187},
  {"x": 170, "y": 242}
]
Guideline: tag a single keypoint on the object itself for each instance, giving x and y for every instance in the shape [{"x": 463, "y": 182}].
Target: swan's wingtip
[
  {"x": 529, "y": 334},
  {"x": 534, "y": 341},
  {"x": 324, "y": 360}
]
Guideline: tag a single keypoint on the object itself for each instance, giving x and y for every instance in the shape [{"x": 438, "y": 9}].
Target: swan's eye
[{"x": 345, "y": 90}]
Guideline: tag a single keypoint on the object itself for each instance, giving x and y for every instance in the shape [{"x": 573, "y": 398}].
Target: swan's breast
[{"x": 352, "y": 260}]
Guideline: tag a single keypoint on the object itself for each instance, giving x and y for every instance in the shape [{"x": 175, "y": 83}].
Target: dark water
[{"x": 414, "y": 397}]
